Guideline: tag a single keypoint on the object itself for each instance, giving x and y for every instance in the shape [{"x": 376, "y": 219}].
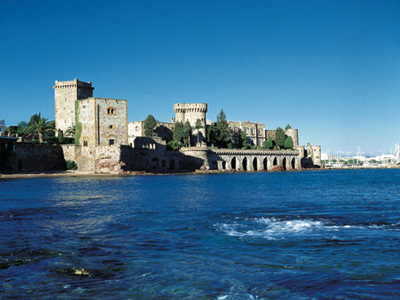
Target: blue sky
[{"x": 329, "y": 68}]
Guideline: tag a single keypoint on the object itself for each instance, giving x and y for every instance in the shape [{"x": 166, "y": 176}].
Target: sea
[{"x": 286, "y": 235}]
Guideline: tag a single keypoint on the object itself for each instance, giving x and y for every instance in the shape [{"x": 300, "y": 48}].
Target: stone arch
[
  {"x": 245, "y": 164},
  {"x": 172, "y": 164},
  {"x": 293, "y": 163},
  {"x": 275, "y": 161},
  {"x": 163, "y": 163},
  {"x": 223, "y": 165},
  {"x": 214, "y": 165},
  {"x": 265, "y": 163},
  {"x": 255, "y": 160},
  {"x": 234, "y": 163},
  {"x": 154, "y": 163},
  {"x": 284, "y": 162}
]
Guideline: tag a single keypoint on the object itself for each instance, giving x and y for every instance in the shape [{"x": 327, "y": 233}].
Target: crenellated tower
[
  {"x": 66, "y": 93},
  {"x": 191, "y": 112}
]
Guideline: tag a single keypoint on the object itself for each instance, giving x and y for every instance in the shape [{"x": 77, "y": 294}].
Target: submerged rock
[{"x": 76, "y": 272}]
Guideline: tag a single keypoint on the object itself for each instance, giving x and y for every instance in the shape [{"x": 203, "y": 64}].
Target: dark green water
[{"x": 293, "y": 235}]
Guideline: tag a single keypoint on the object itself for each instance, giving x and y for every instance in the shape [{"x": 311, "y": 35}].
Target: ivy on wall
[{"x": 78, "y": 125}]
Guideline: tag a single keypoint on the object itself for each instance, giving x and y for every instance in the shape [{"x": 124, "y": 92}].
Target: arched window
[{"x": 111, "y": 110}]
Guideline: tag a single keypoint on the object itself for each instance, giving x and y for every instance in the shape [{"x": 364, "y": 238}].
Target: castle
[{"x": 106, "y": 142}]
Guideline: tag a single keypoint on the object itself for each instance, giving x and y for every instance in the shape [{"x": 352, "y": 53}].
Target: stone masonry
[
  {"x": 106, "y": 143},
  {"x": 102, "y": 122},
  {"x": 191, "y": 112},
  {"x": 66, "y": 93}
]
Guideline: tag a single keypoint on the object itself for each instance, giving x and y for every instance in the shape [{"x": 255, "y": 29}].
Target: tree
[
  {"x": 212, "y": 134},
  {"x": 280, "y": 137},
  {"x": 270, "y": 143},
  {"x": 60, "y": 136},
  {"x": 288, "y": 127},
  {"x": 175, "y": 145},
  {"x": 187, "y": 130},
  {"x": 198, "y": 126},
  {"x": 289, "y": 143},
  {"x": 149, "y": 125},
  {"x": 70, "y": 131},
  {"x": 178, "y": 134},
  {"x": 21, "y": 128},
  {"x": 38, "y": 125},
  {"x": 243, "y": 140},
  {"x": 224, "y": 135}
]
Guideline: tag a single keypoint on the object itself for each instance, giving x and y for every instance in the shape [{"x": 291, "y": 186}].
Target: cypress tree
[
  {"x": 178, "y": 134},
  {"x": 289, "y": 143},
  {"x": 280, "y": 137},
  {"x": 149, "y": 125}
]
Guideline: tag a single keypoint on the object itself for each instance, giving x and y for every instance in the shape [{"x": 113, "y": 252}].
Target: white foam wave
[{"x": 272, "y": 228}]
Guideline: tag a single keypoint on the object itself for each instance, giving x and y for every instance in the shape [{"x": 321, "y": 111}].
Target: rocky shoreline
[{"x": 143, "y": 173}]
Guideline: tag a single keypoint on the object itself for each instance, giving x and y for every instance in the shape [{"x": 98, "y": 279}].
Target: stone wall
[
  {"x": 35, "y": 158},
  {"x": 255, "y": 132},
  {"x": 66, "y": 93},
  {"x": 102, "y": 122},
  {"x": 136, "y": 129},
  {"x": 191, "y": 112}
]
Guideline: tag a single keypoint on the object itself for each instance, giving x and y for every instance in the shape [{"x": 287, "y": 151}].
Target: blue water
[{"x": 290, "y": 235}]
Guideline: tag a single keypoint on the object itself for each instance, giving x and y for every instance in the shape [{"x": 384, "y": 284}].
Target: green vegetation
[
  {"x": 212, "y": 134},
  {"x": 288, "y": 143},
  {"x": 198, "y": 126},
  {"x": 187, "y": 131},
  {"x": 243, "y": 140},
  {"x": 174, "y": 145},
  {"x": 288, "y": 127},
  {"x": 39, "y": 126},
  {"x": 178, "y": 134},
  {"x": 149, "y": 126},
  {"x": 60, "y": 136},
  {"x": 70, "y": 131},
  {"x": 280, "y": 137},
  {"x": 181, "y": 135},
  {"x": 71, "y": 165},
  {"x": 219, "y": 134},
  {"x": 268, "y": 144},
  {"x": 78, "y": 125}
]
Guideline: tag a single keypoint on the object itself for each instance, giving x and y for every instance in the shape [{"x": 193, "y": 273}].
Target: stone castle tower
[
  {"x": 191, "y": 112},
  {"x": 294, "y": 134},
  {"x": 66, "y": 93}
]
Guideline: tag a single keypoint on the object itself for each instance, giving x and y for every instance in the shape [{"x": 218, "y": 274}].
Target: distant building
[{"x": 255, "y": 132}]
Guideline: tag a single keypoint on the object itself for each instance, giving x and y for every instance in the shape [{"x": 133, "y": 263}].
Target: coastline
[{"x": 55, "y": 174}]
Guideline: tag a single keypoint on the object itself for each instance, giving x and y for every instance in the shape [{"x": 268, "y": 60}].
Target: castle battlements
[
  {"x": 190, "y": 107},
  {"x": 73, "y": 83}
]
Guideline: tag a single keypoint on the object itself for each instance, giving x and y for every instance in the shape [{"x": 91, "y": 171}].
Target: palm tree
[
  {"x": 38, "y": 125},
  {"x": 70, "y": 131}
]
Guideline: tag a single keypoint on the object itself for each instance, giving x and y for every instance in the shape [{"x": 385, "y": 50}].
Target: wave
[{"x": 273, "y": 229}]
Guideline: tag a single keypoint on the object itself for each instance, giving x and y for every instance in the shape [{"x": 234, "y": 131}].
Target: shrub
[{"x": 71, "y": 165}]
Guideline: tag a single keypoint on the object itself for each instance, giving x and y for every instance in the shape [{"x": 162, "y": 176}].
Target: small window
[
  {"x": 111, "y": 126},
  {"x": 111, "y": 142},
  {"x": 137, "y": 128},
  {"x": 110, "y": 111},
  {"x": 85, "y": 143}
]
